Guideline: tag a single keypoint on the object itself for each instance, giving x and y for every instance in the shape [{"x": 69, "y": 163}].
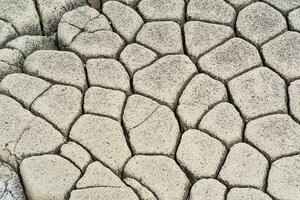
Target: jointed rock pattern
[{"x": 149, "y": 100}]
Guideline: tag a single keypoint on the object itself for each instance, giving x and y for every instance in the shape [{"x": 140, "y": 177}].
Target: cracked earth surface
[{"x": 150, "y": 100}]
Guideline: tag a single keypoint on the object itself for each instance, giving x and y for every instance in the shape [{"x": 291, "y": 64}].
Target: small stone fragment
[
  {"x": 239, "y": 4},
  {"x": 247, "y": 194},
  {"x": 11, "y": 57},
  {"x": 7, "y": 32},
  {"x": 6, "y": 69},
  {"x": 208, "y": 189},
  {"x": 284, "y": 6},
  {"x": 294, "y": 20},
  {"x": 294, "y": 97},
  {"x": 139, "y": 189}
]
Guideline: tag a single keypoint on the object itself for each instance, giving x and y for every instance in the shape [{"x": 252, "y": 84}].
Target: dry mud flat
[{"x": 149, "y": 100}]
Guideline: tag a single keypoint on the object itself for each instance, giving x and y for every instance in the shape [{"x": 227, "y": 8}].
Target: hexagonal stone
[
  {"x": 48, "y": 177},
  {"x": 239, "y": 4},
  {"x": 61, "y": 105},
  {"x": 244, "y": 166},
  {"x": 208, "y": 189},
  {"x": 201, "y": 93},
  {"x": 200, "y": 154},
  {"x": 163, "y": 37},
  {"x": 108, "y": 73},
  {"x": 11, "y": 57},
  {"x": 276, "y": 135},
  {"x": 104, "y": 138},
  {"x": 139, "y": 189},
  {"x": 173, "y": 182},
  {"x": 166, "y": 10},
  {"x": 284, "y": 178},
  {"x": 6, "y": 69},
  {"x": 23, "y": 87},
  {"x": 7, "y": 32},
  {"x": 125, "y": 19},
  {"x": 230, "y": 59},
  {"x": 214, "y": 35},
  {"x": 24, "y": 134},
  {"x": 152, "y": 128},
  {"x": 76, "y": 153},
  {"x": 215, "y": 11},
  {"x": 104, "y": 102},
  {"x": 284, "y": 6},
  {"x": 10, "y": 185},
  {"x": 282, "y": 54},
  {"x": 22, "y": 15},
  {"x": 223, "y": 122},
  {"x": 52, "y": 11},
  {"x": 247, "y": 194},
  {"x": 165, "y": 78},
  {"x": 294, "y": 94},
  {"x": 259, "y": 23},
  {"x": 135, "y": 57},
  {"x": 58, "y": 66},
  {"x": 293, "y": 19},
  {"x": 258, "y": 92}
]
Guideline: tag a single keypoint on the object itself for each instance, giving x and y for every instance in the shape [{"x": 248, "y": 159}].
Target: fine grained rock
[
  {"x": 139, "y": 189},
  {"x": 164, "y": 79},
  {"x": 7, "y": 32},
  {"x": 239, "y": 4},
  {"x": 294, "y": 97},
  {"x": 244, "y": 166},
  {"x": 104, "y": 138},
  {"x": 10, "y": 185},
  {"x": 293, "y": 19},
  {"x": 258, "y": 92},
  {"x": 277, "y": 135},
  {"x": 208, "y": 189},
  {"x": 284, "y": 6},
  {"x": 260, "y": 22},
  {"x": 247, "y": 194},
  {"x": 6, "y": 69},
  {"x": 200, "y": 94},
  {"x": 11, "y": 57},
  {"x": 58, "y": 66},
  {"x": 200, "y": 154},
  {"x": 48, "y": 177},
  {"x": 148, "y": 170},
  {"x": 284, "y": 178}
]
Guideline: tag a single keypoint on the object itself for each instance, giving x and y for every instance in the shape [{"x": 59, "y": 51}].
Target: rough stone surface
[
  {"x": 239, "y": 4},
  {"x": 140, "y": 190},
  {"x": 284, "y": 6},
  {"x": 6, "y": 69},
  {"x": 11, "y": 57},
  {"x": 293, "y": 19},
  {"x": 7, "y": 32},
  {"x": 208, "y": 189},
  {"x": 247, "y": 194},
  {"x": 294, "y": 97}
]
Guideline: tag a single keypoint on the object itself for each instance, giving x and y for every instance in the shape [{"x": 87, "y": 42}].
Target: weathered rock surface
[{"x": 208, "y": 189}]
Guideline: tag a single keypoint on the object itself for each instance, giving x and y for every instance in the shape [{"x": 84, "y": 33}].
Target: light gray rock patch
[
  {"x": 294, "y": 97},
  {"x": 294, "y": 20},
  {"x": 7, "y": 32},
  {"x": 247, "y": 194},
  {"x": 284, "y": 6},
  {"x": 11, "y": 57},
  {"x": 6, "y": 69},
  {"x": 141, "y": 191}
]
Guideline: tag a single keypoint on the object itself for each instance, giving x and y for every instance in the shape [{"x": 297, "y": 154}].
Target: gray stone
[
  {"x": 135, "y": 57},
  {"x": 124, "y": 19},
  {"x": 61, "y": 105},
  {"x": 148, "y": 170},
  {"x": 200, "y": 94},
  {"x": 152, "y": 128},
  {"x": 140, "y": 190},
  {"x": 244, "y": 166},
  {"x": 7, "y": 32},
  {"x": 98, "y": 24},
  {"x": 23, "y": 87},
  {"x": 10, "y": 185},
  {"x": 76, "y": 153},
  {"x": 58, "y": 66},
  {"x": 163, "y": 37},
  {"x": 230, "y": 59},
  {"x": 48, "y": 177},
  {"x": 284, "y": 178},
  {"x": 208, "y": 189},
  {"x": 165, "y": 10},
  {"x": 294, "y": 20},
  {"x": 259, "y": 23},
  {"x": 259, "y": 92},
  {"x": 164, "y": 79},
  {"x": 215, "y": 11},
  {"x": 11, "y": 57},
  {"x": 104, "y": 138},
  {"x": 239, "y": 4},
  {"x": 108, "y": 73},
  {"x": 223, "y": 122},
  {"x": 6, "y": 69},
  {"x": 131, "y": 3},
  {"x": 105, "y": 102},
  {"x": 200, "y": 154},
  {"x": 196, "y": 31},
  {"x": 282, "y": 54},
  {"x": 276, "y": 135},
  {"x": 247, "y": 194},
  {"x": 284, "y": 6},
  {"x": 294, "y": 97},
  {"x": 95, "y": 4}
]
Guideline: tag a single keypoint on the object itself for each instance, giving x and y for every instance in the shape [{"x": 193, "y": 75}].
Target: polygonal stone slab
[
  {"x": 244, "y": 166},
  {"x": 230, "y": 59},
  {"x": 7, "y": 32},
  {"x": 284, "y": 178},
  {"x": 165, "y": 10},
  {"x": 282, "y": 54},
  {"x": 61, "y": 105},
  {"x": 284, "y": 6},
  {"x": 258, "y": 92},
  {"x": 164, "y": 79},
  {"x": 247, "y": 194},
  {"x": 173, "y": 182},
  {"x": 223, "y": 122},
  {"x": 259, "y": 23},
  {"x": 208, "y": 189},
  {"x": 294, "y": 97},
  {"x": 294, "y": 20},
  {"x": 201, "y": 93},
  {"x": 163, "y": 37},
  {"x": 59, "y": 66},
  {"x": 104, "y": 138},
  {"x": 215, "y": 11},
  {"x": 48, "y": 177},
  {"x": 196, "y": 31},
  {"x": 200, "y": 154},
  {"x": 276, "y": 135}
]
